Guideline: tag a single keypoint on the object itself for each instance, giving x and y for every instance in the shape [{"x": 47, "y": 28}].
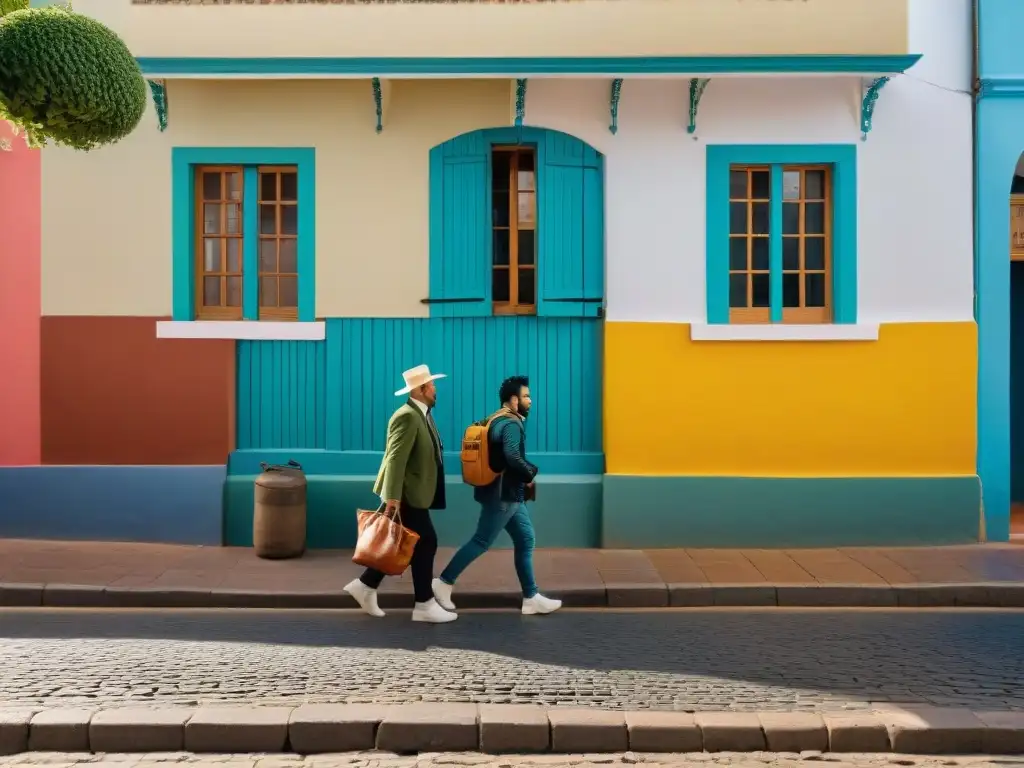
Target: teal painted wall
[
  {"x": 282, "y": 394},
  {"x": 649, "y": 512},
  {"x": 570, "y": 223},
  {"x": 338, "y": 394},
  {"x": 567, "y": 512}
]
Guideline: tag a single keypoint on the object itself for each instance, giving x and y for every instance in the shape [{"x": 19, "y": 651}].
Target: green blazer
[{"x": 409, "y": 469}]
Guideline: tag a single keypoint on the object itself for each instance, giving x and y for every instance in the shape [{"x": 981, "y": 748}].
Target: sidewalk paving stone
[
  {"x": 1004, "y": 732},
  {"x": 515, "y": 728},
  {"x": 663, "y": 732},
  {"x": 139, "y": 729},
  {"x": 588, "y": 730},
  {"x": 429, "y": 728},
  {"x": 426, "y": 730},
  {"x": 731, "y": 731},
  {"x": 60, "y": 730},
  {"x": 856, "y": 732},
  {"x": 14, "y": 730},
  {"x": 314, "y": 728},
  {"x": 237, "y": 729},
  {"x": 931, "y": 730},
  {"x": 794, "y": 732},
  {"x": 119, "y": 574}
]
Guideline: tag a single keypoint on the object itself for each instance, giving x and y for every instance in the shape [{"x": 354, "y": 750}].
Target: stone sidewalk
[
  {"x": 496, "y": 729},
  {"x": 115, "y": 574}
]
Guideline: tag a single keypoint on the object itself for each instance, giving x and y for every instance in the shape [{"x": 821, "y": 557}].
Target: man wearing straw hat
[{"x": 411, "y": 482}]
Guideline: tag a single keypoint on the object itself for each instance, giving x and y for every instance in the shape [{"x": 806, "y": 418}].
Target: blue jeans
[{"x": 515, "y": 519}]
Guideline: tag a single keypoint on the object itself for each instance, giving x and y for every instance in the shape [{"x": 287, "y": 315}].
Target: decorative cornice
[
  {"x": 867, "y": 105},
  {"x": 520, "y": 100},
  {"x": 697, "y": 88},
  {"x": 158, "y": 89},
  {"x": 521, "y": 67},
  {"x": 616, "y": 95}
]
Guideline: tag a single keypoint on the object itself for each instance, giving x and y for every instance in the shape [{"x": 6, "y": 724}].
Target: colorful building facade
[
  {"x": 707, "y": 230},
  {"x": 1000, "y": 269}
]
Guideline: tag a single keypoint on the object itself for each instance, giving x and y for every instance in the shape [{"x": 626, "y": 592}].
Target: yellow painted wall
[
  {"x": 581, "y": 28},
  {"x": 107, "y": 214},
  {"x": 902, "y": 405}
]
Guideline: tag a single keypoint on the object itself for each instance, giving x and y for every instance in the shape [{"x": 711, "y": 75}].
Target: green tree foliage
[
  {"x": 10, "y": 6},
  {"x": 67, "y": 78}
]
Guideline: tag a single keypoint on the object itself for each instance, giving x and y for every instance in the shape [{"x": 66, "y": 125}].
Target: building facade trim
[
  {"x": 184, "y": 160},
  {"x": 843, "y": 160},
  {"x": 174, "y": 66}
]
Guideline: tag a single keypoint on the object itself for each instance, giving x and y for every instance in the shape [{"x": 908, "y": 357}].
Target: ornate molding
[
  {"x": 158, "y": 88},
  {"x": 867, "y": 104},
  {"x": 697, "y": 87},
  {"x": 520, "y": 101},
  {"x": 616, "y": 95},
  {"x": 378, "y": 102},
  {"x": 381, "y": 89}
]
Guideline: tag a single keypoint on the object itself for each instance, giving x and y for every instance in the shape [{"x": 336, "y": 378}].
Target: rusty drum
[{"x": 279, "y": 513}]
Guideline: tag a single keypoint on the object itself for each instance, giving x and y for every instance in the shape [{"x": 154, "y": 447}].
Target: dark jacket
[{"x": 506, "y": 442}]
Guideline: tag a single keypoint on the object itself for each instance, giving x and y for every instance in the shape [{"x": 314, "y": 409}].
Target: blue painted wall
[
  {"x": 999, "y": 142},
  {"x": 338, "y": 394},
  {"x": 172, "y": 504},
  {"x": 1000, "y": 23}
]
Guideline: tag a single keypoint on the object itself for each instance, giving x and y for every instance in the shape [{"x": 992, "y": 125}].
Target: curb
[
  {"x": 504, "y": 729},
  {"x": 638, "y": 595}
]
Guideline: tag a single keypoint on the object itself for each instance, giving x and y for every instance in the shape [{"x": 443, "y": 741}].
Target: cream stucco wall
[
  {"x": 582, "y": 28},
  {"x": 107, "y": 214}
]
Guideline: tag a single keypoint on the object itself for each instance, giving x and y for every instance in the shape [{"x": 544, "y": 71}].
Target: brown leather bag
[{"x": 384, "y": 544}]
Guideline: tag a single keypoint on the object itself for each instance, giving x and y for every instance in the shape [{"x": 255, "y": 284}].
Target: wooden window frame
[
  {"x": 202, "y": 311},
  {"x": 790, "y": 315},
  {"x": 249, "y": 236},
  {"x": 512, "y": 306},
  {"x": 276, "y": 313},
  {"x": 750, "y": 314}
]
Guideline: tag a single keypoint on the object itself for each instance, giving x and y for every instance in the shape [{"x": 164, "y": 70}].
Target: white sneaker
[
  {"x": 443, "y": 594},
  {"x": 366, "y": 597},
  {"x": 539, "y": 604},
  {"x": 433, "y": 613}
]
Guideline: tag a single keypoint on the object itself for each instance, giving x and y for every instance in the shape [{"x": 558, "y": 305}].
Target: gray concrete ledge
[
  {"x": 496, "y": 729},
  {"x": 612, "y": 595}
]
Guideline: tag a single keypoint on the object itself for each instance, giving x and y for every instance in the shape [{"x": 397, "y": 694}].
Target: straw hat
[{"x": 417, "y": 377}]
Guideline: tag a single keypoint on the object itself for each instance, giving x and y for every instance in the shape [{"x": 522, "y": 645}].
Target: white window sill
[
  {"x": 251, "y": 330},
  {"x": 780, "y": 332}
]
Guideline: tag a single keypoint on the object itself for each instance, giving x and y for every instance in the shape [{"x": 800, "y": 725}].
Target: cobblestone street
[
  {"x": 686, "y": 660},
  {"x": 460, "y": 760}
]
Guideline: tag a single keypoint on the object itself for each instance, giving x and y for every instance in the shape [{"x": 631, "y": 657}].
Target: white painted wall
[
  {"x": 915, "y": 201},
  {"x": 915, "y": 184}
]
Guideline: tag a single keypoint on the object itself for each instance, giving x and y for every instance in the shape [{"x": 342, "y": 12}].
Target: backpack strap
[{"x": 490, "y": 419}]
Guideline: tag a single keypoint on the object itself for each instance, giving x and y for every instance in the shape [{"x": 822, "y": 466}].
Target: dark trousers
[{"x": 422, "y": 564}]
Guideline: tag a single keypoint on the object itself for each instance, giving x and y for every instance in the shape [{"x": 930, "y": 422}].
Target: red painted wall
[
  {"x": 20, "y": 302},
  {"x": 113, "y": 393}
]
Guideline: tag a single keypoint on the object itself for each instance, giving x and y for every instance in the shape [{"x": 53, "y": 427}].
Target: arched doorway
[
  {"x": 1017, "y": 351},
  {"x": 999, "y": 142}
]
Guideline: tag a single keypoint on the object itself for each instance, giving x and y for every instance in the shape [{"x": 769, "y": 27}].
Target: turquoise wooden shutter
[
  {"x": 460, "y": 228},
  {"x": 571, "y": 223}
]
